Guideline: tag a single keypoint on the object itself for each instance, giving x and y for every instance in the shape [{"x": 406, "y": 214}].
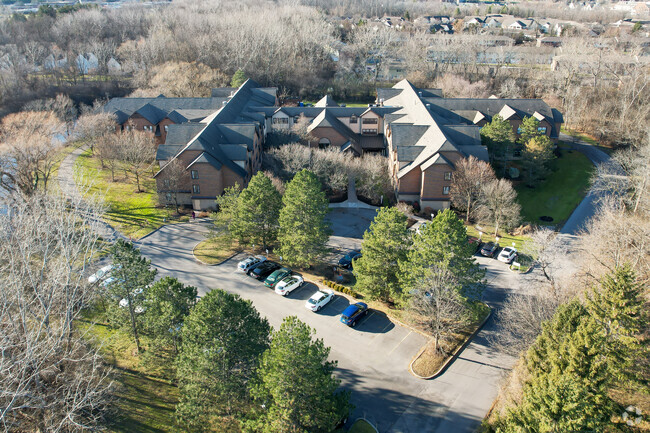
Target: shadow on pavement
[
  {"x": 335, "y": 306},
  {"x": 375, "y": 322}
]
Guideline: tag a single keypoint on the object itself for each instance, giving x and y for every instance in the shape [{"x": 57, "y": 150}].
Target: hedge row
[{"x": 341, "y": 288}]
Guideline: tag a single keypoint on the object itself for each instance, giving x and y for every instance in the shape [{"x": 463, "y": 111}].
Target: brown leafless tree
[
  {"x": 468, "y": 177},
  {"x": 28, "y": 150},
  {"x": 93, "y": 127},
  {"x": 52, "y": 380},
  {"x": 438, "y": 306},
  {"x": 497, "y": 204},
  {"x": 174, "y": 178},
  {"x": 137, "y": 152}
]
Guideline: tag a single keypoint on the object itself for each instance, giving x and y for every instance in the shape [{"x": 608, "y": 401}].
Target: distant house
[{"x": 549, "y": 41}]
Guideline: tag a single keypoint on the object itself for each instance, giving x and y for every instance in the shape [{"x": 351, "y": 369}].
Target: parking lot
[{"x": 373, "y": 357}]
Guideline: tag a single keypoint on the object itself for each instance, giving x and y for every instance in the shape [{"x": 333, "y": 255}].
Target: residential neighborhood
[{"x": 323, "y": 216}]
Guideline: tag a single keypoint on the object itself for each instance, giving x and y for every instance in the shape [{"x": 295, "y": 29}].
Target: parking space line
[{"x": 400, "y": 342}]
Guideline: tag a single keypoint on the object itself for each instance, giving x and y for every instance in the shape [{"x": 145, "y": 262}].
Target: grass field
[
  {"x": 588, "y": 139},
  {"x": 559, "y": 194},
  {"x": 361, "y": 426},
  {"x": 215, "y": 250},
  {"x": 133, "y": 213},
  {"x": 144, "y": 402}
]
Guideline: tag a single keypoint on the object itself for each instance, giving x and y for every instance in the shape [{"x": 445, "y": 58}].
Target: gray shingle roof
[
  {"x": 205, "y": 158},
  {"x": 326, "y": 119}
]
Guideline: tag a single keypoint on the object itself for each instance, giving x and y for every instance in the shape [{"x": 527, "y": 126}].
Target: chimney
[
  {"x": 381, "y": 102},
  {"x": 428, "y": 106}
]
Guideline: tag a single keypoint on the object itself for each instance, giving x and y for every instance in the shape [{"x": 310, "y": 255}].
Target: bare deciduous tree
[
  {"x": 497, "y": 204},
  {"x": 549, "y": 253},
  {"x": 466, "y": 182},
  {"x": 137, "y": 152},
  {"x": 93, "y": 127},
  {"x": 51, "y": 380},
  {"x": 29, "y": 150},
  {"x": 174, "y": 179},
  {"x": 438, "y": 306}
]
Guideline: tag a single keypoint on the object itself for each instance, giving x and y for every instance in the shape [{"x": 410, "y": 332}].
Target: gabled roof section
[
  {"x": 327, "y": 120},
  {"x": 326, "y": 101},
  {"x": 538, "y": 116},
  {"x": 152, "y": 113},
  {"x": 407, "y": 135},
  {"x": 478, "y": 117},
  {"x": 438, "y": 159},
  {"x": 205, "y": 158},
  {"x": 507, "y": 112}
]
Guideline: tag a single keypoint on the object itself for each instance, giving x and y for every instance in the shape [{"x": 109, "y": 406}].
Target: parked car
[
  {"x": 100, "y": 274},
  {"x": 353, "y": 313},
  {"x": 263, "y": 270},
  {"x": 288, "y": 284},
  {"x": 319, "y": 299},
  {"x": 507, "y": 255},
  {"x": 276, "y": 276},
  {"x": 250, "y": 262},
  {"x": 489, "y": 249},
  {"x": 346, "y": 261},
  {"x": 475, "y": 243}
]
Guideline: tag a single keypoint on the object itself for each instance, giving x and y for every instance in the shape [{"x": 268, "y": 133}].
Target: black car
[
  {"x": 263, "y": 270},
  {"x": 346, "y": 261},
  {"x": 489, "y": 249}
]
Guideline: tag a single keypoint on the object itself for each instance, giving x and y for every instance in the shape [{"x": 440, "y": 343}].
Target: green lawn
[
  {"x": 215, "y": 250},
  {"x": 559, "y": 194},
  {"x": 144, "y": 401},
  {"x": 133, "y": 213},
  {"x": 588, "y": 139}
]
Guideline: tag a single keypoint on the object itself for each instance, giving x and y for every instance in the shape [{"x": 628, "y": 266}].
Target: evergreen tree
[
  {"x": 385, "y": 245},
  {"x": 443, "y": 243},
  {"x": 167, "y": 304},
  {"x": 499, "y": 139},
  {"x": 238, "y": 78},
  {"x": 226, "y": 218},
  {"x": 132, "y": 274},
  {"x": 616, "y": 308},
  {"x": 258, "y": 210},
  {"x": 528, "y": 130},
  {"x": 222, "y": 341},
  {"x": 303, "y": 229},
  {"x": 296, "y": 385},
  {"x": 536, "y": 156}
]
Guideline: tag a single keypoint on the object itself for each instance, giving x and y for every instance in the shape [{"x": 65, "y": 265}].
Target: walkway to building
[{"x": 352, "y": 201}]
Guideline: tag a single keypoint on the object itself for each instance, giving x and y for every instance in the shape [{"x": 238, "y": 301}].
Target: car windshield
[
  {"x": 313, "y": 300},
  {"x": 507, "y": 250}
]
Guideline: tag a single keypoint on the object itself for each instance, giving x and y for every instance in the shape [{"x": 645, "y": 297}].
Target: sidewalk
[{"x": 352, "y": 202}]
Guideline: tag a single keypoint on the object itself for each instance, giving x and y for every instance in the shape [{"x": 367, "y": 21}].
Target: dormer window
[{"x": 353, "y": 119}]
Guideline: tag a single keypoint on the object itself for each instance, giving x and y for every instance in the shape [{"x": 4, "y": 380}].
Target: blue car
[{"x": 353, "y": 313}]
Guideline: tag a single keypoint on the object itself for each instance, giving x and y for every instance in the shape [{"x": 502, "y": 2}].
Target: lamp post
[{"x": 480, "y": 236}]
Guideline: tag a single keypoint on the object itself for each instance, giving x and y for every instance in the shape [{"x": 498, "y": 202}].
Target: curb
[
  {"x": 369, "y": 423},
  {"x": 213, "y": 264},
  {"x": 453, "y": 357}
]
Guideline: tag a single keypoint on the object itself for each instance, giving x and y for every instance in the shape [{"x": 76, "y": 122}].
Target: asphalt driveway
[{"x": 372, "y": 357}]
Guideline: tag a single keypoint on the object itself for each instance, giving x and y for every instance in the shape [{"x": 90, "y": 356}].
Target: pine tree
[
  {"x": 225, "y": 220},
  {"x": 168, "y": 302},
  {"x": 617, "y": 311},
  {"x": 296, "y": 383},
  {"x": 258, "y": 210},
  {"x": 499, "y": 139},
  {"x": 132, "y": 274},
  {"x": 443, "y": 243},
  {"x": 222, "y": 340},
  {"x": 385, "y": 245},
  {"x": 536, "y": 156},
  {"x": 238, "y": 78},
  {"x": 303, "y": 229}
]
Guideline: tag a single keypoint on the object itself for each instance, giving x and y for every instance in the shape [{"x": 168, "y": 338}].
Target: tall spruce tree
[
  {"x": 132, "y": 275},
  {"x": 258, "y": 210},
  {"x": 296, "y": 383},
  {"x": 223, "y": 339},
  {"x": 499, "y": 139},
  {"x": 303, "y": 229},
  {"x": 536, "y": 156},
  {"x": 443, "y": 243},
  {"x": 385, "y": 245}
]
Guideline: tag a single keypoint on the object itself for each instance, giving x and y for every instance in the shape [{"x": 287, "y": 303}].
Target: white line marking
[{"x": 400, "y": 343}]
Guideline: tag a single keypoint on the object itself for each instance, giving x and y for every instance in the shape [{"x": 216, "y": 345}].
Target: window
[
  {"x": 296, "y": 119},
  {"x": 281, "y": 120},
  {"x": 353, "y": 119},
  {"x": 166, "y": 128},
  {"x": 369, "y": 121},
  {"x": 168, "y": 197},
  {"x": 166, "y": 183},
  {"x": 448, "y": 175},
  {"x": 368, "y": 131},
  {"x": 323, "y": 143},
  {"x": 196, "y": 189},
  {"x": 519, "y": 130},
  {"x": 195, "y": 174},
  {"x": 445, "y": 190},
  {"x": 541, "y": 129}
]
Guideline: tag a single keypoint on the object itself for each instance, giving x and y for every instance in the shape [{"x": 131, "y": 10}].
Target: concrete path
[
  {"x": 353, "y": 201},
  {"x": 67, "y": 180},
  {"x": 587, "y": 207}
]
